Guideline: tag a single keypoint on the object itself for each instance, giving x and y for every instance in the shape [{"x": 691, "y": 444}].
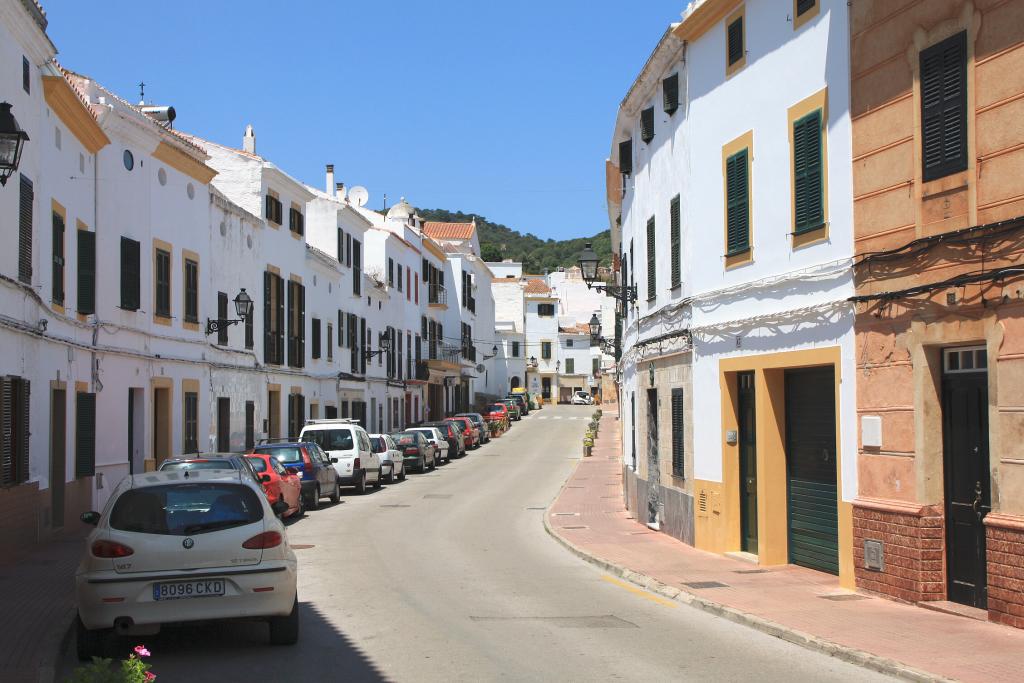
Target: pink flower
[
  {"x": 150, "y": 676},
  {"x": 141, "y": 651}
]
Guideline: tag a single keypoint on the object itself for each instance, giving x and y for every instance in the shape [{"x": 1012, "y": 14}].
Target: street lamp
[
  {"x": 243, "y": 307},
  {"x": 494, "y": 352},
  {"x": 12, "y": 141},
  {"x": 533, "y": 361},
  {"x": 588, "y": 265},
  {"x": 383, "y": 346},
  {"x": 595, "y": 329}
]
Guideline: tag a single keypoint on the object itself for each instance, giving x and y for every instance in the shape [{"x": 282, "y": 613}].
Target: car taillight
[
  {"x": 412, "y": 450},
  {"x": 355, "y": 463},
  {"x": 268, "y": 539},
  {"x": 109, "y": 549}
]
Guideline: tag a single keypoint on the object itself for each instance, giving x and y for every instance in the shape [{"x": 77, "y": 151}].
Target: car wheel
[
  {"x": 401, "y": 475},
  {"x": 433, "y": 463},
  {"x": 314, "y": 500},
  {"x": 285, "y": 630},
  {"x": 391, "y": 475},
  {"x": 89, "y": 644},
  {"x": 361, "y": 484},
  {"x": 302, "y": 506},
  {"x": 379, "y": 480},
  {"x": 336, "y": 494}
]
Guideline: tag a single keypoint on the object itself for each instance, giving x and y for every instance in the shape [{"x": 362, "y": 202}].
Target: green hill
[{"x": 499, "y": 242}]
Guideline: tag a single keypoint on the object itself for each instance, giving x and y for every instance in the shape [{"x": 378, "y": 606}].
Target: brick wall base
[
  {"x": 26, "y": 515},
  {"x": 1004, "y": 546},
  {"x": 913, "y": 545}
]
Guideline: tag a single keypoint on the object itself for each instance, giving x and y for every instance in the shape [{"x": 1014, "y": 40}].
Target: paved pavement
[
  {"x": 791, "y": 602},
  {"x": 451, "y": 576}
]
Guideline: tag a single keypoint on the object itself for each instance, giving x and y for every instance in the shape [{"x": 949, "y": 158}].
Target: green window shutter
[
  {"x": 802, "y": 6},
  {"x": 626, "y": 157},
  {"x": 652, "y": 285},
  {"x": 808, "y": 193},
  {"x": 268, "y": 312},
  {"x": 86, "y": 272},
  {"x": 670, "y": 94},
  {"x": 222, "y": 313},
  {"x": 678, "y": 450},
  {"x": 85, "y": 434},
  {"x": 737, "y": 204},
  {"x": 675, "y": 228},
  {"x": 647, "y": 124},
  {"x": 7, "y": 438},
  {"x": 130, "y": 276},
  {"x": 26, "y": 202},
  {"x": 58, "y": 259},
  {"x": 735, "y": 36},
  {"x": 315, "y": 326},
  {"x": 944, "y": 107}
]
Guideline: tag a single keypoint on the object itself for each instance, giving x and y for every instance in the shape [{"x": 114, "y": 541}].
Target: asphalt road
[{"x": 451, "y": 576}]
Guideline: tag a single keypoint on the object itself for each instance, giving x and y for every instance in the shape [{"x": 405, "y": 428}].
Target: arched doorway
[{"x": 514, "y": 384}]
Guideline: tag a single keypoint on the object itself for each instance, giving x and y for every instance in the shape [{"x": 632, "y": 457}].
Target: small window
[
  {"x": 675, "y": 228},
  {"x": 647, "y": 124},
  {"x": 129, "y": 160},
  {"x": 570, "y": 366},
  {"x": 670, "y": 94},
  {"x": 568, "y": 343},
  {"x": 944, "y": 107},
  {"x": 735, "y": 41},
  {"x": 737, "y": 204},
  {"x": 273, "y": 209},
  {"x": 804, "y": 6},
  {"x": 678, "y": 450},
  {"x": 652, "y": 271},
  {"x": 26, "y": 75},
  {"x": 545, "y": 350},
  {"x": 626, "y": 157},
  {"x": 130, "y": 283},
  {"x": 515, "y": 349},
  {"x": 163, "y": 283},
  {"x": 808, "y": 181},
  {"x": 192, "y": 292},
  {"x": 296, "y": 221},
  {"x": 545, "y": 310}
]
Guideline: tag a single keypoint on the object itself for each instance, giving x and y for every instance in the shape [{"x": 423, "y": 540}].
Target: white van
[{"x": 342, "y": 438}]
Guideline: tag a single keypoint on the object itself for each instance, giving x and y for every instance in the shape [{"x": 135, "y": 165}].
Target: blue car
[{"x": 315, "y": 470}]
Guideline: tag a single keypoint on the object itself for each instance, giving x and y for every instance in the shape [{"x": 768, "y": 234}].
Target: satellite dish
[
  {"x": 480, "y": 367},
  {"x": 358, "y": 195}
]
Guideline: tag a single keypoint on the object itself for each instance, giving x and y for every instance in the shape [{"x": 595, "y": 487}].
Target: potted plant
[{"x": 588, "y": 446}]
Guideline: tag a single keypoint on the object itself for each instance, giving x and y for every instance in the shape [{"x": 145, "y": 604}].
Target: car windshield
[
  {"x": 406, "y": 439},
  {"x": 170, "y": 465},
  {"x": 185, "y": 509},
  {"x": 495, "y": 407},
  {"x": 258, "y": 464},
  {"x": 286, "y": 454},
  {"x": 379, "y": 444},
  {"x": 330, "y": 439}
]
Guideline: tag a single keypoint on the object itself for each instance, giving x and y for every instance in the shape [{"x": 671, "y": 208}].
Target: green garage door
[{"x": 811, "y": 468}]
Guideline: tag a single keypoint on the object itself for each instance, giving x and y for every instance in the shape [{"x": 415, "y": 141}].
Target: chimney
[
  {"x": 339, "y": 190},
  {"x": 330, "y": 178},
  {"x": 249, "y": 140}
]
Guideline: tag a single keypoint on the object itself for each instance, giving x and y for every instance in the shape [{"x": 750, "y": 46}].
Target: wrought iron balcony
[{"x": 437, "y": 294}]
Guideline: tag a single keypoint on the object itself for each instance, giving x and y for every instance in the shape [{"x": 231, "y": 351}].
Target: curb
[{"x": 849, "y": 654}]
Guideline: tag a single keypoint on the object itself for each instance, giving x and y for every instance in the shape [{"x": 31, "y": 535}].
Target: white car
[
  {"x": 184, "y": 546},
  {"x": 582, "y": 398},
  {"x": 435, "y": 437},
  {"x": 344, "y": 439},
  {"x": 392, "y": 462}
]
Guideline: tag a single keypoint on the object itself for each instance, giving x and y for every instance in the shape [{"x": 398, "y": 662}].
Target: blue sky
[{"x": 503, "y": 110}]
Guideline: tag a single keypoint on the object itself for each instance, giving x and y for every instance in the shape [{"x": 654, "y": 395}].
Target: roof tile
[{"x": 449, "y": 231}]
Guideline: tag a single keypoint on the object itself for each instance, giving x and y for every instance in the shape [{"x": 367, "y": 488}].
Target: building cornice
[
  {"x": 66, "y": 104},
  {"x": 183, "y": 163},
  {"x": 23, "y": 17},
  {"x": 434, "y": 249},
  {"x": 699, "y": 19}
]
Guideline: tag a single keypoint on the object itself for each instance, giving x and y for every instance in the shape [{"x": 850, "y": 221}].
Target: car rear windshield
[
  {"x": 258, "y": 464},
  {"x": 496, "y": 407},
  {"x": 286, "y": 454},
  {"x": 330, "y": 439},
  {"x": 171, "y": 465},
  {"x": 406, "y": 439},
  {"x": 379, "y": 444},
  {"x": 185, "y": 509}
]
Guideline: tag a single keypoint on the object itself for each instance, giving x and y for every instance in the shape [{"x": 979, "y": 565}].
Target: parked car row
[{"x": 202, "y": 538}]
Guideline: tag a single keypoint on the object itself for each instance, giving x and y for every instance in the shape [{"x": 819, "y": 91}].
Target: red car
[
  {"x": 469, "y": 432},
  {"x": 498, "y": 411},
  {"x": 279, "y": 482}
]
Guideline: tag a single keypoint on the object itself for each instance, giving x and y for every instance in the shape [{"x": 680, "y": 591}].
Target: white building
[{"x": 756, "y": 308}]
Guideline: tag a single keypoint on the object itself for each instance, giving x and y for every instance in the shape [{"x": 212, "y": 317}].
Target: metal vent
[
  {"x": 702, "y": 501},
  {"x": 874, "y": 556}
]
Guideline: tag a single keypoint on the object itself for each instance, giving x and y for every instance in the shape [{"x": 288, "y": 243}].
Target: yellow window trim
[
  {"x": 730, "y": 69},
  {"x": 806, "y": 16},
  {"x": 745, "y": 141},
  {"x": 817, "y": 101}
]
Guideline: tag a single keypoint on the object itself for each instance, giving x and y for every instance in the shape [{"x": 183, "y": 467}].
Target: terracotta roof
[
  {"x": 575, "y": 329},
  {"x": 536, "y": 287},
  {"x": 449, "y": 231}
]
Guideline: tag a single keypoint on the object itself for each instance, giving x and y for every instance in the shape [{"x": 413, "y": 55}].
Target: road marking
[{"x": 639, "y": 591}]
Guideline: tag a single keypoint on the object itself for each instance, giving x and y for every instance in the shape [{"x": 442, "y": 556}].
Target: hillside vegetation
[{"x": 498, "y": 242}]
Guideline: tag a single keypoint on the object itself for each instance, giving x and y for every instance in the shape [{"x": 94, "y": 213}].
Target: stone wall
[{"x": 1004, "y": 547}]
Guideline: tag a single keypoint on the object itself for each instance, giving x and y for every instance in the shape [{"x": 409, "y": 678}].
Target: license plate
[{"x": 179, "y": 590}]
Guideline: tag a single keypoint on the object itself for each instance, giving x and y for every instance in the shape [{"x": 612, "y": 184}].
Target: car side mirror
[
  {"x": 265, "y": 478},
  {"x": 92, "y": 518},
  {"x": 291, "y": 470},
  {"x": 279, "y": 507},
  {"x": 334, "y": 461}
]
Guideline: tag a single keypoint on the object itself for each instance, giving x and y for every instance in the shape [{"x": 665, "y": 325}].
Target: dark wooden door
[
  {"x": 223, "y": 424},
  {"x": 811, "y": 468},
  {"x": 58, "y": 454},
  {"x": 967, "y": 482},
  {"x": 747, "y": 425}
]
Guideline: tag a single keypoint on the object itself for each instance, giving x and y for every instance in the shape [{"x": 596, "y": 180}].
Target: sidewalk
[
  {"x": 37, "y": 597},
  {"x": 800, "y": 605}
]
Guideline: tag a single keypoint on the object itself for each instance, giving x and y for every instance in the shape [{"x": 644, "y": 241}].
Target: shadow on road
[{"x": 226, "y": 651}]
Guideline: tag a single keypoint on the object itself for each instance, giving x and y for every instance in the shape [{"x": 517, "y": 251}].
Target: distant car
[
  {"x": 436, "y": 438},
  {"x": 498, "y": 412},
  {"x": 166, "y": 549},
  {"x": 417, "y": 452},
  {"x": 209, "y": 461},
  {"x": 582, "y": 398},
  {"x": 314, "y": 467},
  {"x": 391, "y": 460},
  {"x": 470, "y": 433},
  {"x": 348, "y": 445},
  {"x": 481, "y": 425},
  {"x": 279, "y": 482},
  {"x": 456, "y": 444},
  {"x": 524, "y": 404},
  {"x": 513, "y": 409}
]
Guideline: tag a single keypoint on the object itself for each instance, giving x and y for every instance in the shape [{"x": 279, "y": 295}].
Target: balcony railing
[
  {"x": 437, "y": 294},
  {"x": 442, "y": 351}
]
